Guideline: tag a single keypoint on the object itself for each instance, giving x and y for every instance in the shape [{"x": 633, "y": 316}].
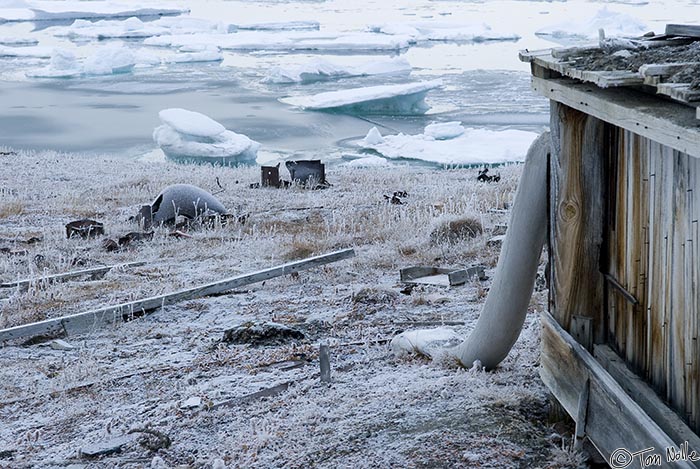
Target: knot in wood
[{"x": 569, "y": 210}]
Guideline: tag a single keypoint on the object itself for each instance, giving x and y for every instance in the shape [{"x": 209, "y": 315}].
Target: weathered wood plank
[
  {"x": 688, "y": 30},
  {"x": 646, "y": 398},
  {"x": 670, "y": 124},
  {"x": 664, "y": 70},
  {"x": 613, "y": 419},
  {"x": 24, "y": 285},
  {"x": 576, "y": 205},
  {"x": 86, "y": 321},
  {"x": 679, "y": 91}
]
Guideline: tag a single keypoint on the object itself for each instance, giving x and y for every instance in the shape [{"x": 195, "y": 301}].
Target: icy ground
[{"x": 379, "y": 411}]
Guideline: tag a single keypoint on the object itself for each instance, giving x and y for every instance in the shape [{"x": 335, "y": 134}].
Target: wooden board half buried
[
  {"x": 94, "y": 272},
  {"x": 90, "y": 320},
  {"x": 613, "y": 419}
]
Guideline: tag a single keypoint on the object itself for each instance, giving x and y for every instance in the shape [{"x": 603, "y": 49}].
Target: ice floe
[
  {"x": 278, "y": 26},
  {"x": 135, "y": 28},
  {"x": 471, "y": 147},
  {"x": 322, "y": 69},
  {"x": 37, "y": 52},
  {"x": 612, "y": 22},
  {"x": 107, "y": 60},
  {"x": 436, "y": 31},
  {"x": 406, "y": 99},
  {"x": 444, "y": 130},
  {"x": 18, "y": 41},
  {"x": 286, "y": 41},
  {"x": 49, "y": 10},
  {"x": 191, "y": 136},
  {"x": 206, "y": 54}
]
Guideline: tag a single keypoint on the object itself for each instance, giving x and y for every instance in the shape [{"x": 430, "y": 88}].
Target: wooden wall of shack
[{"x": 624, "y": 241}]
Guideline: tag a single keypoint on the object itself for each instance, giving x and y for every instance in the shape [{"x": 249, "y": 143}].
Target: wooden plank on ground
[
  {"x": 667, "y": 123},
  {"x": 90, "y": 320},
  {"x": 665, "y": 70},
  {"x": 686, "y": 30},
  {"x": 647, "y": 399},
  {"x": 613, "y": 419},
  {"x": 679, "y": 91},
  {"x": 94, "y": 272}
]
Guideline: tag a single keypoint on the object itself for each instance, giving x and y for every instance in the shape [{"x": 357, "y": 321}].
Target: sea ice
[
  {"x": 436, "y": 31},
  {"x": 38, "y": 52},
  {"x": 114, "y": 58},
  {"x": 322, "y": 69},
  {"x": 444, "y": 130},
  {"x": 473, "y": 146},
  {"x": 209, "y": 54},
  {"x": 191, "y": 136},
  {"x": 280, "y": 26},
  {"x": 134, "y": 28},
  {"x": 407, "y": 99},
  {"x": 17, "y": 41},
  {"x": 612, "y": 22},
  {"x": 63, "y": 64},
  {"x": 47, "y": 10}
]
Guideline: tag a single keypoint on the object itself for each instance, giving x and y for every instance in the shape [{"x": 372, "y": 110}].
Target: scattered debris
[
  {"x": 27, "y": 240},
  {"x": 455, "y": 230},
  {"x": 440, "y": 276},
  {"x": 324, "y": 358},
  {"x": 7, "y": 453},
  {"x": 90, "y": 320},
  {"x": 484, "y": 177},
  {"x": 309, "y": 173},
  {"x": 110, "y": 245},
  {"x": 256, "y": 334},
  {"x": 286, "y": 365},
  {"x": 59, "y": 344},
  {"x": 133, "y": 237},
  {"x": 396, "y": 197},
  {"x": 84, "y": 228},
  {"x": 13, "y": 252},
  {"x": 105, "y": 447},
  {"x": 183, "y": 200},
  {"x": 191, "y": 403},
  {"x": 179, "y": 234},
  {"x": 270, "y": 176}
]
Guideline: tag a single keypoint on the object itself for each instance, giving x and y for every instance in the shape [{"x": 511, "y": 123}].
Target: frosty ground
[{"x": 378, "y": 411}]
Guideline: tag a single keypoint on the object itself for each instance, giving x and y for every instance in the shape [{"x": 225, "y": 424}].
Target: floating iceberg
[
  {"x": 104, "y": 61},
  {"x": 435, "y": 31},
  {"x": 285, "y": 41},
  {"x": 206, "y": 54},
  {"x": 321, "y": 69},
  {"x": 408, "y": 99},
  {"x": 50, "y": 10},
  {"x": 471, "y": 147},
  {"x": 613, "y": 23},
  {"x": 189, "y": 136}
]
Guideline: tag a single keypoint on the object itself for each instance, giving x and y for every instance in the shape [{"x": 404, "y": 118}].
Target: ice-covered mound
[
  {"x": 107, "y": 60},
  {"x": 134, "y": 28},
  {"x": 444, "y": 130},
  {"x": 437, "y": 31},
  {"x": 614, "y": 24},
  {"x": 322, "y": 69},
  {"x": 408, "y": 99},
  {"x": 191, "y": 136},
  {"x": 286, "y": 41},
  {"x": 473, "y": 146},
  {"x": 50, "y": 10}
]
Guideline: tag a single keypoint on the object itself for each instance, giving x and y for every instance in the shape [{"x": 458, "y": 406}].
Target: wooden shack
[{"x": 620, "y": 341}]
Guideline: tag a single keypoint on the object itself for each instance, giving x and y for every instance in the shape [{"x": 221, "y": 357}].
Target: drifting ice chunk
[
  {"x": 367, "y": 162},
  {"x": 105, "y": 61},
  {"x": 48, "y": 10},
  {"x": 37, "y": 52},
  {"x": 444, "y": 131},
  {"x": 63, "y": 64},
  {"x": 321, "y": 69},
  {"x": 425, "y": 31},
  {"x": 474, "y": 146},
  {"x": 614, "y": 24},
  {"x": 405, "y": 99},
  {"x": 285, "y": 41},
  {"x": 17, "y": 41},
  {"x": 210, "y": 54},
  {"x": 191, "y": 136},
  {"x": 283, "y": 26},
  {"x": 135, "y": 28}
]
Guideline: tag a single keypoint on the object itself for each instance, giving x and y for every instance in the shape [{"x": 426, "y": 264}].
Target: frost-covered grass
[{"x": 378, "y": 411}]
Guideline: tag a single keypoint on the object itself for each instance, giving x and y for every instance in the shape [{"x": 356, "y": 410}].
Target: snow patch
[{"x": 407, "y": 99}]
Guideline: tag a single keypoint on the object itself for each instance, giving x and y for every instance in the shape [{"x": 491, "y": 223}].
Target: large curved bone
[{"x": 504, "y": 312}]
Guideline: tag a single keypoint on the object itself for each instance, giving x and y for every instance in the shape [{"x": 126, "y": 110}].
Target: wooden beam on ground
[
  {"x": 613, "y": 420},
  {"x": 686, "y": 30},
  {"x": 91, "y": 320},
  {"x": 647, "y": 399},
  {"x": 24, "y": 285},
  {"x": 667, "y": 123}
]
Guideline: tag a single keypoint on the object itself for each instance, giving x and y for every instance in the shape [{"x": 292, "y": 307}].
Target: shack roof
[{"x": 630, "y": 75}]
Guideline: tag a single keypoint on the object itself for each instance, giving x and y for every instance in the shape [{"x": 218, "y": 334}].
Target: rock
[
  {"x": 375, "y": 295},
  {"x": 184, "y": 200},
  {"x": 268, "y": 333},
  {"x": 191, "y": 403},
  {"x": 499, "y": 230},
  {"x": 59, "y": 344}
]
